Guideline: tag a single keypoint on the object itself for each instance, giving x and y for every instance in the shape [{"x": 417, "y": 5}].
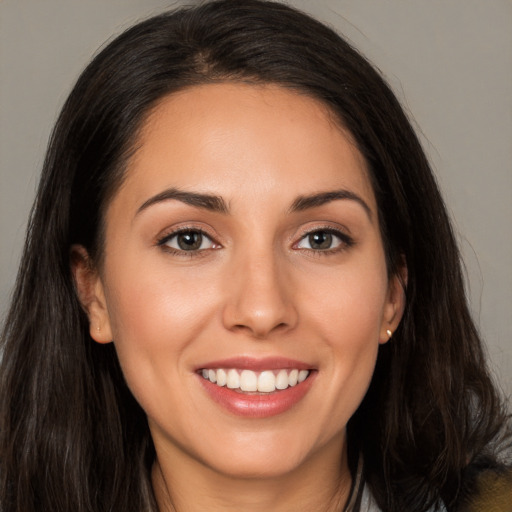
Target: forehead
[{"x": 234, "y": 139}]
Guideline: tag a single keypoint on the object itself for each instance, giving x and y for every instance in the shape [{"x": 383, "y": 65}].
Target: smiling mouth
[{"x": 248, "y": 381}]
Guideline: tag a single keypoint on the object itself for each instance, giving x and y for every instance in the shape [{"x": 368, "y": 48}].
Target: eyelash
[
  {"x": 345, "y": 242},
  {"x": 163, "y": 241}
]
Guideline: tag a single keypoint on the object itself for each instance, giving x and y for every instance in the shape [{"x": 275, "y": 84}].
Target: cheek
[
  {"x": 156, "y": 304},
  {"x": 346, "y": 317},
  {"x": 352, "y": 332},
  {"x": 349, "y": 304},
  {"x": 154, "y": 317}
]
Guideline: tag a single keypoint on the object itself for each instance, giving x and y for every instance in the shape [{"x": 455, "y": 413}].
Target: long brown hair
[{"x": 72, "y": 437}]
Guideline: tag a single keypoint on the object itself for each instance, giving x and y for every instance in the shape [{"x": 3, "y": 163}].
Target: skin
[{"x": 259, "y": 288}]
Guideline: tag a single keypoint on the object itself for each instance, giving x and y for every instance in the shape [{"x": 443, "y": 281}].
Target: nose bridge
[{"x": 259, "y": 300}]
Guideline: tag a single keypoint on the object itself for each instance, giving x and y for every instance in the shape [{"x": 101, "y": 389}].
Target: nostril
[
  {"x": 258, "y": 309},
  {"x": 259, "y": 332}
]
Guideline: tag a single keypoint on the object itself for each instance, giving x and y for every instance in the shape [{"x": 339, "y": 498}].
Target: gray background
[{"x": 449, "y": 61}]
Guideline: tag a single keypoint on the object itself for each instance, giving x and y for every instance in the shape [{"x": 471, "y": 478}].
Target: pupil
[
  {"x": 190, "y": 241},
  {"x": 320, "y": 240}
]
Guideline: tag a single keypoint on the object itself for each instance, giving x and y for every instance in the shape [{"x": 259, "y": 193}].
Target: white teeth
[
  {"x": 302, "y": 376},
  {"x": 266, "y": 382},
  {"x": 282, "y": 379},
  {"x": 248, "y": 381},
  {"x": 233, "y": 381},
  {"x": 221, "y": 377}
]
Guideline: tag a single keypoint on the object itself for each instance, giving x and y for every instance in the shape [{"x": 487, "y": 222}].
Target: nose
[{"x": 260, "y": 299}]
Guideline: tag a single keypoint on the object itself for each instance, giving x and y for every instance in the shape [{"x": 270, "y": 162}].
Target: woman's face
[{"x": 244, "y": 247}]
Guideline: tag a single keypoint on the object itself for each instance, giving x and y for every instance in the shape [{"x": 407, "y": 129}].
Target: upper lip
[{"x": 256, "y": 364}]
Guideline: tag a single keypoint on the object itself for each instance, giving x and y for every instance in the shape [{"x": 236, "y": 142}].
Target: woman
[{"x": 240, "y": 288}]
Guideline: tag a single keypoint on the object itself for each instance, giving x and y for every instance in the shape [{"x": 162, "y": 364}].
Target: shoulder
[
  {"x": 492, "y": 493},
  {"x": 368, "y": 503}
]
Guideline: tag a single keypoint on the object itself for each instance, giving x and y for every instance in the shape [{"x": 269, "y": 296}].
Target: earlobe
[
  {"x": 395, "y": 305},
  {"x": 89, "y": 288}
]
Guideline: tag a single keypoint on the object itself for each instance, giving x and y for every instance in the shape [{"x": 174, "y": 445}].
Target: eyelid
[
  {"x": 170, "y": 233},
  {"x": 346, "y": 240}
]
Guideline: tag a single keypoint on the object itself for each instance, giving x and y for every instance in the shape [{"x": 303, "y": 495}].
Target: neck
[{"x": 322, "y": 483}]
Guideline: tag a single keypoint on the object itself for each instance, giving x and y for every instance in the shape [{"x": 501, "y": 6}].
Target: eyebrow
[
  {"x": 314, "y": 200},
  {"x": 206, "y": 201},
  {"x": 217, "y": 204}
]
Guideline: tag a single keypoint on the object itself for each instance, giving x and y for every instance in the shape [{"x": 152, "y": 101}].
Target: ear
[
  {"x": 395, "y": 304},
  {"x": 91, "y": 294}
]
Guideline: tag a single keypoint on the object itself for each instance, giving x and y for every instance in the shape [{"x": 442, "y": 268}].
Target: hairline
[{"x": 134, "y": 142}]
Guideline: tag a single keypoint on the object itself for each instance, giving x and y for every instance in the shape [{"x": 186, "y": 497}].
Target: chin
[
  {"x": 265, "y": 456},
  {"x": 260, "y": 468}
]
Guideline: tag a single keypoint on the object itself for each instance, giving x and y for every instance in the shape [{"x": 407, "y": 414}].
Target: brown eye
[
  {"x": 320, "y": 240},
  {"x": 324, "y": 240},
  {"x": 189, "y": 240}
]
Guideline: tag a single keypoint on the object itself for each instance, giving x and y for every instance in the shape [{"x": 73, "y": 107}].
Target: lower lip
[{"x": 257, "y": 405}]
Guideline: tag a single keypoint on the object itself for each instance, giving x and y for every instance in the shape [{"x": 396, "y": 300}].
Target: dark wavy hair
[{"x": 72, "y": 437}]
